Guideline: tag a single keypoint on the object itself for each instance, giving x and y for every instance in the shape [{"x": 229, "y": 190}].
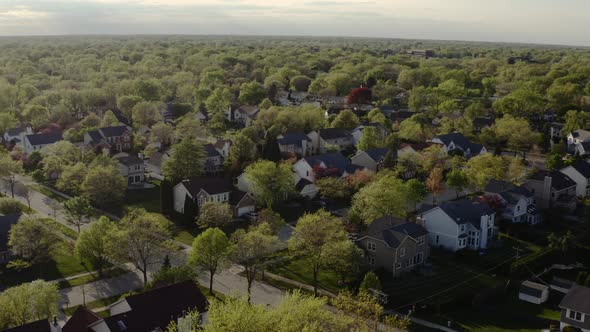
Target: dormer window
[{"x": 371, "y": 246}]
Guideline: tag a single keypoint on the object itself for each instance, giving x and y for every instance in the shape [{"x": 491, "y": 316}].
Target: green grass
[
  {"x": 59, "y": 227},
  {"x": 298, "y": 270},
  {"x": 91, "y": 278},
  {"x": 63, "y": 263},
  {"x": 48, "y": 193},
  {"x": 95, "y": 304},
  {"x": 148, "y": 199}
]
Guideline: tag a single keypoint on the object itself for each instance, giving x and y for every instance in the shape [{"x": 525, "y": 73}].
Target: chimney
[{"x": 546, "y": 194}]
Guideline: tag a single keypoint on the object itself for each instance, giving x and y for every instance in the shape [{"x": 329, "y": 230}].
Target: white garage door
[{"x": 243, "y": 210}]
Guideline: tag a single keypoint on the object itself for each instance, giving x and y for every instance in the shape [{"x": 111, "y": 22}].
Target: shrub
[{"x": 10, "y": 206}]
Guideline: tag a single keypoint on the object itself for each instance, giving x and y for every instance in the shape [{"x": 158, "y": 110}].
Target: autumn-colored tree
[{"x": 434, "y": 183}]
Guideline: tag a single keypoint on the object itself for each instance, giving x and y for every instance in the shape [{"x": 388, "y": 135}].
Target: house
[
  {"x": 357, "y": 132},
  {"x": 552, "y": 189},
  {"x": 153, "y": 164},
  {"x": 115, "y": 139},
  {"x": 223, "y": 146},
  {"x": 576, "y": 138},
  {"x": 533, "y": 292},
  {"x": 519, "y": 205},
  {"x": 421, "y": 53},
  {"x": 132, "y": 168},
  {"x": 6, "y": 222},
  {"x": 330, "y": 164},
  {"x": 242, "y": 115},
  {"x": 242, "y": 202},
  {"x": 457, "y": 142},
  {"x": 555, "y": 132},
  {"x": 214, "y": 160},
  {"x": 370, "y": 159},
  {"x": 200, "y": 190},
  {"x": 42, "y": 325},
  {"x": 395, "y": 245},
  {"x": 401, "y": 115},
  {"x": 575, "y": 308},
  {"x": 327, "y": 139},
  {"x": 16, "y": 136},
  {"x": 462, "y": 224},
  {"x": 582, "y": 149},
  {"x": 35, "y": 142},
  {"x": 295, "y": 144},
  {"x": 561, "y": 285},
  {"x": 152, "y": 310},
  {"x": 579, "y": 172}
]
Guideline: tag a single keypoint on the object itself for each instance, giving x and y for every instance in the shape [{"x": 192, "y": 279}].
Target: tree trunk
[
  {"x": 315, "y": 282},
  {"x": 211, "y": 273},
  {"x": 144, "y": 271},
  {"x": 78, "y": 228}
]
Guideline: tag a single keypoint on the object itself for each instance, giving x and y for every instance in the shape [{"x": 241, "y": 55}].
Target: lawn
[
  {"x": 60, "y": 228},
  {"x": 63, "y": 263},
  {"x": 95, "y": 305},
  {"x": 148, "y": 199},
  {"x": 298, "y": 270},
  {"x": 91, "y": 278}
]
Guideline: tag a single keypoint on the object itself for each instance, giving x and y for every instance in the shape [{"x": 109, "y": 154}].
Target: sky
[{"x": 563, "y": 22}]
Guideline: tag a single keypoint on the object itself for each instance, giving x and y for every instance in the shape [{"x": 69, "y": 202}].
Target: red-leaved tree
[{"x": 360, "y": 96}]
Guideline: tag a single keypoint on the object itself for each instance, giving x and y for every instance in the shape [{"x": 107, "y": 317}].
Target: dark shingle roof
[
  {"x": 16, "y": 131},
  {"x": 211, "y": 151},
  {"x": 461, "y": 141},
  {"x": 129, "y": 160},
  {"x": 532, "y": 288},
  {"x": 113, "y": 131},
  {"x": 302, "y": 183},
  {"x": 393, "y": 231},
  {"x": 377, "y": 154},
  {"x": 334, "y": 133},
  {"x": 498, "y": 186},
  {"x": 293, "y": 138},
  {"x": 80, "y": 320},
  {"x": 513, "y": 195},
  {"x": 583, "y": 168},
  {"x": 95, "y": 136},
  {"x": 43, "y": 139},
  {"x": 559, "y": 181},
  {"x": 562, "y": 283},
  {"x": 5, "y": 223},
  {"x": 334, "y": 160},
  {"x": 211, "y": 184},
  {"x": 577, "y": 299},
  {"x": 481, "y": 121},
  {"x": 466, "y": 211},
  {"x": 37, "y": 326}
]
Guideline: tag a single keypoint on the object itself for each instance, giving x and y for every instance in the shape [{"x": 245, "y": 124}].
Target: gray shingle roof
[
  {"x": 44, "y": 139},
  {"x": 393, "y": 231},
  {"x": 377, "y": 154},
  {"x": 293, "y": 139},
  {"x": 211, "y": 151},
  {"x": 466, "y": 211},
  {"x": 461, "y": 141},
  {"x": 577, "y": 299},
  {"x": 334, "y": 133},
  {"x": 129, "y": 160},
  {"x": 211, "y": 184},
  {"x": 559, "y": 181},
  {"x": 583, "y": 168},
  {"x": 113, "y": 131}
]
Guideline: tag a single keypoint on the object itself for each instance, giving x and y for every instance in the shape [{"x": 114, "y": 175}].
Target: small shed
[
  {"x": 561, "y": 285},
  {"x": 533, "y": 292}
]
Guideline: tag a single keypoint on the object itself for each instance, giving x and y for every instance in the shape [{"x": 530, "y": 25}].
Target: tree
[
  {"x": 300, "y": 83},
  {"x": 364, "y": 307},
  {"x": 386, "y": 196},
  {"x": 92, "y": 243},
  {"x": 333, "y": 187},
  {"x": 214, "y": 214},
  {"x": 516, "y": 132},
  {"x": 104, "y": 186},
  {"x": 162, "y": 133},
  {"x": 109, "y": 119},
  {"x": 28, "y": 302},
  {"x": 252, "y": 248},
  {"x": 32, "y": 241},
  {"x": 78, "y": 209},
  {"x": 457, "y": 180},
  {"x": 360, "y": 96},
  {"x": 416, "y": 191},
  {"x": 189, "y": 128},
  {"x": 149, "y": 90},
  {"x": 126, "y": 104},
  {"x": 575, "y": 120},
  {"x": 242, "y": 151},
  {"x": 319, "y": 239},
  {"x": 376, "y": 116},
  {"x": 270, "y": 182},
  {"x": 346, "y": 119},
  {"x": 172, "y": 275},
  {"x": 25, "y": 192},
  {"x": 370, "y": 281},
  {"x": 554, "y": 162},
  {"x": 10, "y": 206},
  {"x": 146, "y": 113},
  {"x": 370, "y": 139},
  {"x": 9, "y": 171},
  {"x": 481, "y": 169},
  {"x": 187, "y": 160},
  {"x": 71, "y": 178},
  {"x": 434, "y": 182},
  {"x": 142, "y": 238},
  {"x": 515, "y": 170},
  {"x": 252, "y": 93},
  {"x": 217, "y": 104},
  {"x": 211, "y": 250}
]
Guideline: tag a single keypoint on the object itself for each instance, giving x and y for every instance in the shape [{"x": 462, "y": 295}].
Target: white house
[
  {"x": 575, "y": 308},
  {"x": 519, "y": 204},
  {"x": 16, "y": 136},
  {"x": 325, "y": 139},
  {"x": 458, "y": 142},
  {"x": 202, "y": 189},
  {"x": 35, "y": 142},
  {"x": 577, "y": 137},
  {"x": 580, "y": 174},
  {"x": 295, "y": 144},
  {"x": 330, "y": 164},
  {"x": 132, "y": 168},
  {"x": 533, "y": 292},
  {"x": 462, "y": 224},
  {"x": 243, "y": 115}
]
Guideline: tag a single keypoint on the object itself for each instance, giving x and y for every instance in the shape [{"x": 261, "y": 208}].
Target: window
[
  {"x": 421, "y": 240},
  {"x": 371, "y": 246},
  {"x": 371, "y": 260},
  {"x": 518, "y": 208},
  {"x": 437, "y": 238},
  {"x": 402, "y": 252},
  {"x": 574, "y": 315},
  {"x": 398, "y": 265}
]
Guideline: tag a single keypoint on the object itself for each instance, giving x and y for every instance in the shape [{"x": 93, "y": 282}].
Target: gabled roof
[
  {"x": 585, "y": 146},
  {"x": 512, "y": 196},
  {"x": 583, "y": 168},
  {"x": 129, "y": 160},
  {"x": 466, "y": 211},
  {"x": 460, "y": 141},
  {"x": 112, "y": 131},
  {"x": 302, "y": 183},
  {"x": 220, "y": 143},
  {"x": 582, "y": 135},
  {"x": 577, "y": 299},
  {"x": 5, "y": 223},
  {"x": 211, "y": 151},
  {"x": 44, "y": 139},
  {"x": 211, "y": 184},
  {"x": 335, "y": 160},
  {"x": 559, "y": 181},
  {"x": 377, "y": 154},
  {"x": 561, "y": 283},
  {"x": 16, "y": 131},
  {"x": 293, "y": 139},
  {"x": 249, "y": 111},
  {"x": 393, "y": 231},
  {"x": 95, "y": 136},
  {"x": 80, "y": 320},
  {"x": 37, "y": 326},
  {"x": 334, "y": 133}
]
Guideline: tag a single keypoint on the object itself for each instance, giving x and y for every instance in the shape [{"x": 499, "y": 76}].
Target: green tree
[
  {"x": 126, "y": 104},
  {"x": 481, "y": 169},
  {"x": 252, "y": 93},
  {"x": 92, "y": 243},
  {"x": 186, "y": 160},
  {"x": 270, "y": 182},
  {"x": 386, "y": 196},
  {"x": 346, "y": 119},
  {"x": 28, "y": 302},
  {"x": 150, "y": 90},
  {"x": 516, "y": 132},
  {"x": 10, "y": 206},
  {"x": 71, "y": 178},
  {"x": 10, "y": 170},
  {"x": 333, "y": 187},
  {"x": 370, "y": 281},
  {"x": 319, "y": 239},
  {"x": 78, "y": 210},
  {"x": 300, "y": 83},
  {"x": 575, "y": 120},
  {"x": 162, "y": 133},
  {"x": 376, "y": 116},
  {"x": 241, "y": 152},
  {"x": 554, "y": 162},
  {"x": 214, "y": 214},
  {"x": 104, "y": 186},
  {"x": 146, "y": 113},
  {"x": 416, "y": 191},
  {"x": 32, "y": 241},
  {"x": 370, "y": 139},
  {"x": 211, "y": 251},
  {"x": 457, "y": 179}
]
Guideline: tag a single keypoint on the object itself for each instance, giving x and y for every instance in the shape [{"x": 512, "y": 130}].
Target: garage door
[{"x": 243, "y": 210}]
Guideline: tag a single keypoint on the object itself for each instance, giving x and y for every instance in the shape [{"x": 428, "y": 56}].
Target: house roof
[
  {"x": 461, "y": 141},
  {"x": 15, "y": 131},
  {"x": 236, "y": 196},
  {"x": 44, "y": 139},
  {"x": 498, "y": 186},
  {"x": 393, "y": 231},
  {"x": 582, "y": 135},
  {"x": 5, "y": 223},
  {"x": 334, "y": 133},
  {"x": 250, "y": 111},
  {"x": 333, "y": 160},
  {"x": 220, "y": 143},
  {"x": 533, "y": 288},
  {"x": 113, "y": 131},
  {"x": 302, "y": 183},
  {"x": 561, "y": 283},
  {"x": 512, "y": 196},
  {"x": 80, "y": 320},
  {"x": 94, "y": 136},
  {"x": 210, "y": 184},
  {"x": 156, "y": 308},
  {"x": 559, "y": 181},
  {"x": 37, "y": 326},
  {"x": 293, "y": 139},
  {"x": 583, "y": 168},
  {"x": 466, "y": 211},
  {"x": 400, "y": 115},
  {"x": 577, "y": 299},
  {"x": 129, "y": 160},
  {"x": 377, "y": 154},
  {"x": 586, "y": 147},
  {"x": 211, "y": 151}
]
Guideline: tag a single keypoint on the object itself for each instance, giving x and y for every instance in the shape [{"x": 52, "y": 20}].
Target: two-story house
[
  {"x": 519, "y": 205},
  {"x": 555, "y": 132},
  {"x": 575, "y": 308},
  {"x": 457, "y": 142},
  {"x": 552, "y": 189},
  {"x": 36, "y": 142},
  {"x": 395, "y": 245},
  {"x": 327, "y": 139},
  {"x": 132, "y": 168},
  {"x": 295, "y": 144},
  {"x": 16, "y": 136},
  {"x": 580, "y": 174},
  {"x": 115, "y": 139},
  {"x": 329, "y": 164},
  {"x": 222, "y": 146},
  {"x": 577, "y": 138},
  {"x": 456, "y": 225},
  {"x": 370, "y": 159},
  {"x": 6, "y": 222},
  {"x": 214, "y": 160},
  {"x": 243, "y": 115},
  {"x": 202, "y": 189}
]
